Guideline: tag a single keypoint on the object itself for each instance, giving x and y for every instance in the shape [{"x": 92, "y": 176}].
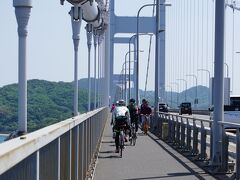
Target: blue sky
[{"x": 50, "y": 49}]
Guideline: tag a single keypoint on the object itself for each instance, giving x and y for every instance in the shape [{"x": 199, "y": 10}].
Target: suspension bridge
[{"x": 166, "y": 47}]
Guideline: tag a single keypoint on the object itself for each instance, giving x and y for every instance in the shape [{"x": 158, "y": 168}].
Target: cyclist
[
  {"x": 133, "y": 109},
  {"x": 145, "y": 110},
  {"x": 121, "y": 119},
  {"x": 112, "y": 108}
]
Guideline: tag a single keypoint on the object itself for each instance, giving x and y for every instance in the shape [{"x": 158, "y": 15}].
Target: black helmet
[
  {"x": 144, "y": 101},
  {"x": 132, "y": 100}
]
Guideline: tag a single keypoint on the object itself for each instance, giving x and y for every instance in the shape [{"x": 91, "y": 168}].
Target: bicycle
[
  {"x": 146, "y": 123},
  {"x": 134, "y": 134},
  {"x": 121, "y": 140}
]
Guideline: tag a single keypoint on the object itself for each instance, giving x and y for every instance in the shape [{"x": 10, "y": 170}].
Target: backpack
[{"x": 133, "y": 111}]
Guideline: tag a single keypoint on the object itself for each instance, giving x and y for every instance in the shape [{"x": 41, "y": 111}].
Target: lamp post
[
  {"x": 89, "y": 30},
  {"x": 209, "y": 76},
  {"x": 156, "y": 53},
  {"x": 76, "y": 20},
  {"x": 185, "y": 87},
  {"x": 129, "y": 58},
  {"x": 227, "y": 69},
  {"x": 137, "y": 70},
  {"x": 196, "y": 95},
  {"x": 218, "y": 82},
  {"x": 129, "y": 52},
  {"x": 22, "y": 12},
  {"x": 177, "y": 91},
  {"x": 95, "y": 39}
]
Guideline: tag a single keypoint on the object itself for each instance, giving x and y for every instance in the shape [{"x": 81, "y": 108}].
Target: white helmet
[{"x": 121, "y": 102}]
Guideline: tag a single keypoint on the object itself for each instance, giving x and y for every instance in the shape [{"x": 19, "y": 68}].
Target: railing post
[
  {"x": 75, "y": 153},
  {"x": 37, "y": 165},
  {"x": 81, "y": 151},
  {"x": 188, "y": 136},
  {"x": 173, "y": 129},
  {"x": 203, "y": 154},
  {"x": 224, "y": 150},
  {"x": 59, "y": 157},
  {"x": 178, "y": 132},
  {"x": 195, "y": 138},
  {"x": 211, "y": 140},
  {"x": 169, "y": 129},
  {"x": 159, "y": 125},
  {"x": 238, "y": 154},
  {"x": 182, "y": 133}
]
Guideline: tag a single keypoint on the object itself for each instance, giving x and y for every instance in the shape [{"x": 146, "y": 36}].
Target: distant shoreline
[{"x": 3, "y": 134}]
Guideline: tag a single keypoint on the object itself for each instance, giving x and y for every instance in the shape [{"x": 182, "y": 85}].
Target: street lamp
[
  {"x": 227, "y": 69},
  {"x": 185, "y": 87},
  {"x": 89, "y": 31},
  {"x": 196, "y": 95},
  {"x": 157, "y": 32},
  {"x": 22, "y": 12},
  {"x": 209, "y": 76},
  {"x": 129, "y": 72},
  {"x": 177, "y": 91},
  {"x": 129, "y": 57}
]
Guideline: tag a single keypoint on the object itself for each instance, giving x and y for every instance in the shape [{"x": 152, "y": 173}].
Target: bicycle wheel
[
  {"x": 134, "y": 140},
  {"x": 121, "y": 140},
  {"x": 134, "y": 136}
]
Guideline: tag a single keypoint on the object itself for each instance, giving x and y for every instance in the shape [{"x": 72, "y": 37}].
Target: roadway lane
[{"x": 151, "y": 158}]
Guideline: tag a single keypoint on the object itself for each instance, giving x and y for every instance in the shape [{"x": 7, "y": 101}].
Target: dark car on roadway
[
  {"x": 163, "y": 107},
  {"x": 185, "y": 108}
]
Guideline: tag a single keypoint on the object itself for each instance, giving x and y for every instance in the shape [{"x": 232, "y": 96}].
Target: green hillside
[
  {"x": 48, "y": 103},
  {"x": 51, "y": 102}
]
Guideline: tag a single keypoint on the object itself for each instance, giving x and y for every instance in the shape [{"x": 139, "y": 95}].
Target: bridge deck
[{"x": 151, "y": 158}]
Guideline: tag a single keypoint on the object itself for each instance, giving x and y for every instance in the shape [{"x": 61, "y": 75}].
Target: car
[
  {"x": 163, "y": 107},
  {"x": 185, "y": 108}
]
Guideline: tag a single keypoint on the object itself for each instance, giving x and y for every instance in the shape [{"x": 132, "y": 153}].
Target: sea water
[{"x": 2, "y": 137}]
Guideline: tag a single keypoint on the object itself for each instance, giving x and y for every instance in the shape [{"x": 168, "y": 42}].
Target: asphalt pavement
[{"x": 150, "y": 158}]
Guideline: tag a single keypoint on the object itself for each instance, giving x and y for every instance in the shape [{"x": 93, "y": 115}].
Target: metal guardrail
[
  {"x": 61, "y": 151},
  {"x": 202, "y": 112},
  {"x": 193, "y": 137}
]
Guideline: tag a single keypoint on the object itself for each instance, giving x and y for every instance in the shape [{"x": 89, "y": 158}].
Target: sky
[{"x": 50, "y": 47}]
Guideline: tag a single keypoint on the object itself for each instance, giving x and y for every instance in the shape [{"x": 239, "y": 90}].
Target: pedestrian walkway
[{"x": 151, "y": 158}]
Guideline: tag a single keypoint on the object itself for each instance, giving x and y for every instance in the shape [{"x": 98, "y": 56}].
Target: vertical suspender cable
[
  {"x": 190, "y": 34},
  {"x": 198, "y": 37},
  {"x": 202, "y": 39},
  {"x": 207, "y": 59},
  {"x": 233, "y": 37},
  {"x": 213, "y": 22}
]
